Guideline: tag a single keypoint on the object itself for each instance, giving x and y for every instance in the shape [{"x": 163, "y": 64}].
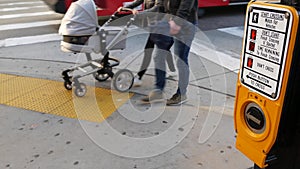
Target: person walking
[
  {"x": 182, "y": 19},
  {"x": 149, "y": 6}
]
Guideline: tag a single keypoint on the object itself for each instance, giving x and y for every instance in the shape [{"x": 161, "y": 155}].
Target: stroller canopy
[{"x": 80, "y": 19}]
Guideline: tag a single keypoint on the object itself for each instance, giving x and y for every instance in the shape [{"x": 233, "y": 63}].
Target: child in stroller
[{"x": 82, "y": 34}]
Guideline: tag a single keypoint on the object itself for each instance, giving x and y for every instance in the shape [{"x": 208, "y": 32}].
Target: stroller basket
[
  {"x": 112, "y": 36},
  {"x": 82, "y": 34},
  {"x": 77, "y": 40}
]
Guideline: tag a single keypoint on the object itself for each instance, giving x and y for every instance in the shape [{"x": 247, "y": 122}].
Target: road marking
[
  {"x": 217, "y": 57},
  {"x": 30, "y": 40},
  {"x": 236, "y": 31},
  {"x": 28, "y": 25},
  {"x": 220, "y": 58},
  {"x": 26, "y": 15},
  {"x": 21, "y": 8},
  {"x": 22, "y": 3}
]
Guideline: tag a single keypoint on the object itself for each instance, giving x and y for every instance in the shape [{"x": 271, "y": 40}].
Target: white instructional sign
[{"x": 266, "y": 38}]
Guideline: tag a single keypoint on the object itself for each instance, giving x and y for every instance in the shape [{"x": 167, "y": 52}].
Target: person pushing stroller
[{"x": 149, "y": 6}]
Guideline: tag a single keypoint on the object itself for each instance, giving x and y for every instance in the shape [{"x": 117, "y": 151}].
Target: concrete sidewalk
[{"x": 199, "y": 134}]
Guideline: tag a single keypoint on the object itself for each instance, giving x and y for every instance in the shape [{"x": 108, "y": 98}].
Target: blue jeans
[
  {"x": 162, "y": 52},
  {"x": 182, "y": 44}
]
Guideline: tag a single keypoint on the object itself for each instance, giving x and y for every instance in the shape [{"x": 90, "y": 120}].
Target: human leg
[
  {"x": 160, "y": 76},
  {"x": 148, "y": 50},
  {"x": 160, "y": 68},
  {"x": 181, "y": 50},
  {"x": 172, "y": 70},
  {"x": 170, "y": 61},
  {"x": 161, "y": 53}
]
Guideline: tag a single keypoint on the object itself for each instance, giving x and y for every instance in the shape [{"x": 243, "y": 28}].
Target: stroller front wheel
[
  {"x": 123, "y": 80},
  {"x": 68, "y": 85}
]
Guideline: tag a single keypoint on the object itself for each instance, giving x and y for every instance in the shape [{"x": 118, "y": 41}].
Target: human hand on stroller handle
[{"x": 133, "y": 11}]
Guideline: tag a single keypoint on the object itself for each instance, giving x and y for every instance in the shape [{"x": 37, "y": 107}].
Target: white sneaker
[
  {"x": 172, "y": 74},
  {"x": 154, "y": 96},
  {"x": 137, "y": 82}
]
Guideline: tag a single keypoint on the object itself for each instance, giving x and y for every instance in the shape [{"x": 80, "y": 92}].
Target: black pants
[{"x": 148, "y": 50}]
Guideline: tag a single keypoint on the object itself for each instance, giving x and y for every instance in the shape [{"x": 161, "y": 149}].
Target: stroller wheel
[
  {"x": 80, "y": 90},
  {"x": 68, "y": 85},
  {"x": 122, "y": 80},
  {"x": 101, "y": 77}
]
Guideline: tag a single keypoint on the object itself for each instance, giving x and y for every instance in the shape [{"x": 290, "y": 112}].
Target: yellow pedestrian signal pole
[{"x": 267, "y": 117}]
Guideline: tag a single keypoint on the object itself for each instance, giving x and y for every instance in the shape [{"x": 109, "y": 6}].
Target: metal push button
[{"x": 255, "y": 118}]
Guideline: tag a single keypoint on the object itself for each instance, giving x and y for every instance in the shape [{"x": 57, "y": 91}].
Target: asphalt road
[{"x": 222, "y": 17}]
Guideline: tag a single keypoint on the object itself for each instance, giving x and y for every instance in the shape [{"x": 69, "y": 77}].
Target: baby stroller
[{"x": 82, "y": 34}]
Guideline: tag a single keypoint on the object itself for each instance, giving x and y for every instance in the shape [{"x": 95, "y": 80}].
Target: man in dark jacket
[
  {"x": 182, "y": 18},
  {"x": 183, "y": 10}
]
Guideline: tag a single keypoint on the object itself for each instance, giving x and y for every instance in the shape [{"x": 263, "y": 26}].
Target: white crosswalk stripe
[
  {"x": 26, "y": 15},
  {"x": 20, "y": 8},
  {"x": 21, "y": 3},
  {"x": 29, "y": 40},
  {"x": 219, "y": 58},
  {"x": 236, "y": 31},
  {"x": 28, "y": 25},
  {"x": 26, "y": 22}
]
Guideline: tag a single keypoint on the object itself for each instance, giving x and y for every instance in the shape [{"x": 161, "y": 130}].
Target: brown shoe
[
  {"x": 154, "y": 96},
  {"x": 177, "y": 99}
]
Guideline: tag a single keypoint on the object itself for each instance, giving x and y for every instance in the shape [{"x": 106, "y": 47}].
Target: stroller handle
[
  {"x": 115, "y": 16},
  {"x": 126, "y": 9},
  {"x": 122, "y": 9}
]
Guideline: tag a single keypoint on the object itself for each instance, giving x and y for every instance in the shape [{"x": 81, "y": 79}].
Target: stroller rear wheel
[
  {"x": 101, "y": 77},
  {"x": 80, "y": 89},
  {"x": 123, "y": 80}
]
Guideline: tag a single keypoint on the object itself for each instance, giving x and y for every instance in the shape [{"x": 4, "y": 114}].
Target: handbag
[{"x": 160, "y": 34}]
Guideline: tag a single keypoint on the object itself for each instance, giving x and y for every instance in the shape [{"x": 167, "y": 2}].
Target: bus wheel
[{"x": 201, "y": 12}]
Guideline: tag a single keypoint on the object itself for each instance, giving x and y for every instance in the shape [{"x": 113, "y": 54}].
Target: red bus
[
  {"x": 107, "y": 7},
  {"x": 214, "y": 3}
]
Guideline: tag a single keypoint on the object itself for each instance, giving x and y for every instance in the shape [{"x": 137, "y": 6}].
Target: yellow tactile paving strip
[{"x": 47, "y": 96}]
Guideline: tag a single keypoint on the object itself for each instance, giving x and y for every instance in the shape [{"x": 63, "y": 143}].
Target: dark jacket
[
  {"x": 149, "y": 5},
  {"x": 185, "y": 9}
]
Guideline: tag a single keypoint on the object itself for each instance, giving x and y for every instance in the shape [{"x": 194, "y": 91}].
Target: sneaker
[
  {"x": 177, "y": 99},
  {"x": 137, "y": 82},
  {"x": 154, "y": 96},
  {"x": 172, "y": 74}
]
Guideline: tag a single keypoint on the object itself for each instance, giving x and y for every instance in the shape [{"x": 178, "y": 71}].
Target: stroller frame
[{"x": 122, "y": 80}]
